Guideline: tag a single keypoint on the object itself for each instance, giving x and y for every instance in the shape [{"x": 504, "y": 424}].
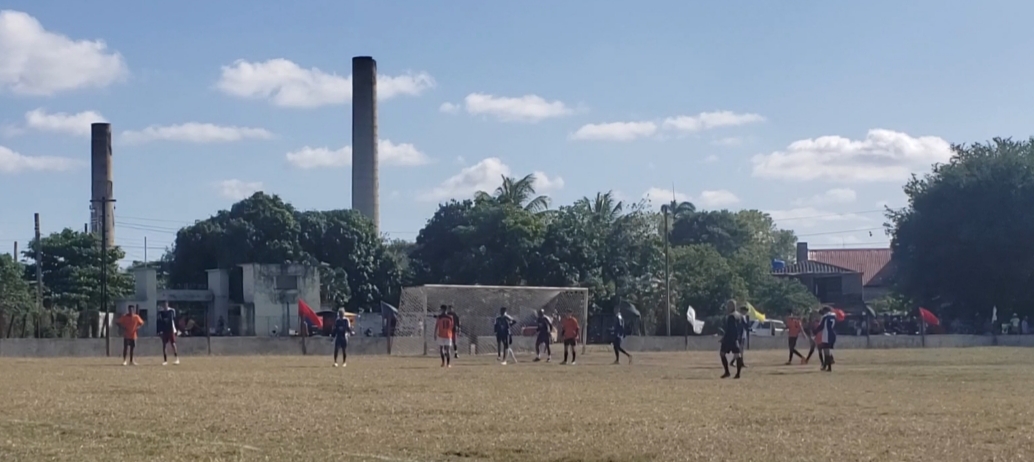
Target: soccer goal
[{"x": 478, "y": 307}]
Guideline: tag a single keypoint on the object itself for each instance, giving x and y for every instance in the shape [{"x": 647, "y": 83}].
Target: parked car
[{"x": 768, "y": 328}]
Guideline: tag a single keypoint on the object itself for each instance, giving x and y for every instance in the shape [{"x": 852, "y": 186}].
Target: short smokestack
[
  {"x": 802, "y": 252},
  {"x": 102, "y": 197},
  {"x": 365, "y": 182}
]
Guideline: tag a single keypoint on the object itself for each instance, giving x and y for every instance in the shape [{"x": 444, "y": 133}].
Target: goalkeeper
[{"x": 503, "y": 335}]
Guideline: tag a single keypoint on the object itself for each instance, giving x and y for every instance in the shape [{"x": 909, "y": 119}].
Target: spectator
[
  {"x": 1015, "y": 322},
  {"x": 1025, "y": 326}
]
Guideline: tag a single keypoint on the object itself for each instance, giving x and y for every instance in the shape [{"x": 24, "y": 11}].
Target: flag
[
  {"x": 994, "y": 314},
  {"x": 691, "y": 316},
  {"x": 839, "y": 313},
  {"x": 754, "y": 313},
  {"x": 307, "y": 314},
  {"x": 929, "y": 317}
]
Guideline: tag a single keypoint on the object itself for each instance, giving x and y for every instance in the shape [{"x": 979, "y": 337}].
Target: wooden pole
[
  {"x": 15, "y": 254},
  {"x": 39, "y": 265}
]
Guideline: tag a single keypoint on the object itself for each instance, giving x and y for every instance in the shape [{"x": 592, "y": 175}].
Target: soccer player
[
  {"x": 455, "y": 332},
  {"x": 744, "y": 333},
  {"x": 731, "y": 340},
  {"x": 443, "y": 333},
  {"x": 503, "y": 335},
  {"x": 829, "y": 338},
  {"x": 619, "y": 335},
  {"x": 342, "y": 329},
  {"x": 545, "y": 329},
  {"x": 816, "y": 340},
  {"x": 130, "y": 323},
  {"x": 569, "y": 329},
  {"x": 167, "y": 330},
  {"x": 793, "y": 330}
]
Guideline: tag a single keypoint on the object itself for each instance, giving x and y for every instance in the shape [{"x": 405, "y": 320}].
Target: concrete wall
[{"x": 275, "y": 308}]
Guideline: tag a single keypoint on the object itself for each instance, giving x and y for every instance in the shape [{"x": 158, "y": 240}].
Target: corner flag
[{"x": 306, "y": 313}]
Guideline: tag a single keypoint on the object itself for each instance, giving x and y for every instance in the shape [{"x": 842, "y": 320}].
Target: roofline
[
  {"x": 852, "y": 248},
  {"x": 476, "y": 286}
]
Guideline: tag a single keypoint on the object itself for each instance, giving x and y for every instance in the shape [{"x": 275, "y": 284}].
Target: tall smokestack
[
  {"x": 365, "y": 182},
  {"x": 102, "y": 222}
]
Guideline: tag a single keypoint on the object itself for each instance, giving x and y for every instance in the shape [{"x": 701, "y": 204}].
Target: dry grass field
[{"x": 893, "y": 405}]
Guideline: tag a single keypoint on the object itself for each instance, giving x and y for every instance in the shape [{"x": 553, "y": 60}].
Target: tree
[
  {"x": 961, "y": 243},
  {"x": 15, "y": 296},
  {"x": 604, "y": 206},
  {"x": 720, "y": 229},
  {"x": 355, "y": 269},
  {"x": 780, "y": 297},
  {"x": 519, "y": 193},
  {"x": 71, "y": 266}
]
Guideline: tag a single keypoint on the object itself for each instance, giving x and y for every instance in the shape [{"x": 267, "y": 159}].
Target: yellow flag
[{"x": 754, "y": 313}]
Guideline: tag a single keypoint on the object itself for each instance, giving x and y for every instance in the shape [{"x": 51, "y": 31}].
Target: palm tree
[
  {"x": 518, "y": 193},
  {"x": 604, "y": 206},
  {"x": 678, "y": 209}
]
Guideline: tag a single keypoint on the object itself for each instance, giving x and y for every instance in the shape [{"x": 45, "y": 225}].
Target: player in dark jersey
[
  {"x": 342, "y": 329},
  {"x": 731, "y": 339},
  {"x": 166, "y": 327},
  {"x": 503, "y": 335},
  {"x": 619, "y": 335},
  {"x": 455, "y": 332},
  {"x": 544, "y": 334},
  {"x": 829, "y": 338}
]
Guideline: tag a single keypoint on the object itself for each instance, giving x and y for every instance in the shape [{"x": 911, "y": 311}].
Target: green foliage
[
  {"x": 518, "y": 193},
  {"x": 356, "y": 270},
  {"x": 962, "y": 242},
  {"x": 15, "y": 296},
  {"x": 71, "y": 266}
]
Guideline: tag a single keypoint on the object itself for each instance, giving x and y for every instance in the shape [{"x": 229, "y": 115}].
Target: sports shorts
[
  {"x": 570, "y": 342},
  {"x": 730, "y": 347},
  {"x": 169, "y": 337},
  {"x": 445, "y": 342},
  {"x": 129, "y": 342}
]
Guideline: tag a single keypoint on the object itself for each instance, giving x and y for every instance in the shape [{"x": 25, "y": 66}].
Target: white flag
[
  {"x": 994, "y": 314},
  {"x": 691, "y": 316}
]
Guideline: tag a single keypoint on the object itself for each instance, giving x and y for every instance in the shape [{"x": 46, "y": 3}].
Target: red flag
[
  {"x": 839, "y": 314},
  {"x": 929, "y": 317},
  {"x": 306, "y": 313}
]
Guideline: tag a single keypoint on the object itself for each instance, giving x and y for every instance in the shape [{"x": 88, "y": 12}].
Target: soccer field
[{"x": 888, "y": 405}]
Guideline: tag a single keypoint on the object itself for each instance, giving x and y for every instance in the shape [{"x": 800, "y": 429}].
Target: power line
[{"x": 862, "y": 230}]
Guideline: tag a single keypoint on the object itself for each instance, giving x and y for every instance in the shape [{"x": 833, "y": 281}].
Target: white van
[{"x": 768, "y": 328}]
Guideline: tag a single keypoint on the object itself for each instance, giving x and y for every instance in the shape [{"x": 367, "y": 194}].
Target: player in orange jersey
[
  {"x": 570, "y": 330},
  {"x": 793, "y": 330},
  {"x": 130, "y": 323},
  {"x": 443, "y": 333}
]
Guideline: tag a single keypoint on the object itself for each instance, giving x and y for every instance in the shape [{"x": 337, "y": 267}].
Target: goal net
[{"x": 477, "y": 307}]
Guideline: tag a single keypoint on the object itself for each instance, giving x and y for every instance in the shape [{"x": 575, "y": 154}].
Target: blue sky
[{"x": 813, "y": 111}]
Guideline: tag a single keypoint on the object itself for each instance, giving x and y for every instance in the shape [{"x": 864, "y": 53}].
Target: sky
[{"x": 815, "y": 112}]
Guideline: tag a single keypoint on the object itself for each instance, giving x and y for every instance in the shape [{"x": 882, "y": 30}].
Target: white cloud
[
  {"x": 449, "y": 108},
  {"x": 833, "y": 196},
  {"x": 482, "y": 176},
  {"x": 194, "y": 132},
  {"x": 719, "y": 198},
  {"x": 237, "y": 189},
  {"x": 388, "y": 153},
  {"x": 287, "y": 84},
  {"x": 37, "y": 62},
  {"x": 544, "y": 184},
  {"x": 60, "y": 122},
  {"x": 485, "y": 175},
  {"x": 12, "y": 162},
  {"x": 883, "y": 155},
  {"x": 709, "y": 120},
  {"x": 711, "y": 159},
  {"x": 615, "y": 131},
  {"x": 527, "y": 108},
  {"x": 806, "y": 217},
  {"x": 661, "y": 196}
]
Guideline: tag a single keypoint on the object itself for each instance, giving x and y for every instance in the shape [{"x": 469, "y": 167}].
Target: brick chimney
[{"x": 802, "y": 252}]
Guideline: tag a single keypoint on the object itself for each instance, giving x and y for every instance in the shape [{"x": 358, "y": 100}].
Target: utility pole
[
  {"x": 39, "y": 266},
  {"x": 104, "y": 272},
  {"x": 667, "y": 272},
  {"x": 145, "y": 250},
  {"x": 15, "y": 254}
]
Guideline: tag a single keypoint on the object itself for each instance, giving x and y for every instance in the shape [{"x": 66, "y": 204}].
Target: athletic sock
[
  {"x": 565, "y": 354},
  {"x": 725, "y": 364},
  {"x": 573, "y": 355},
  {"x": 739, "y": 366}
]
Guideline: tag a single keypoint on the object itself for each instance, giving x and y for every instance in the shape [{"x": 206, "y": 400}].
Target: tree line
[{"x": 961, "y": 246}]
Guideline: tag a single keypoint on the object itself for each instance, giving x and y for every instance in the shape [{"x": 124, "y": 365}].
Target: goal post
[{"x": 477, "y": 307}]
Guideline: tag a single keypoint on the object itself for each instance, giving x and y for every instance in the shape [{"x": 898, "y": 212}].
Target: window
[{"x": 286, "y": 283}]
